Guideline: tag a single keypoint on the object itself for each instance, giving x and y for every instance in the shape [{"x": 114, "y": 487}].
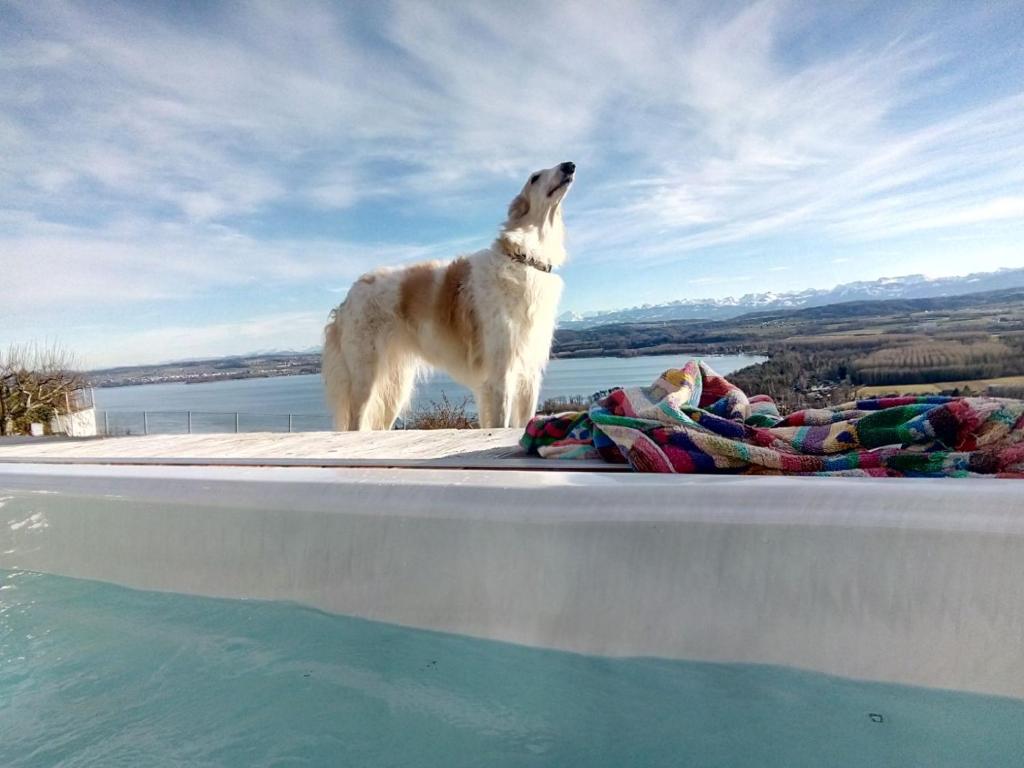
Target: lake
[{"x": 265, "y": 404}]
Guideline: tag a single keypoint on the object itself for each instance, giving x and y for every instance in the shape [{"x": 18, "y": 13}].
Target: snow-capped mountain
[{"x": 906, "y": 287}]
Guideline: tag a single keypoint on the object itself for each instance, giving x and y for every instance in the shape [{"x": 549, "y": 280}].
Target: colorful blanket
[{"x": 693, "y": 420}]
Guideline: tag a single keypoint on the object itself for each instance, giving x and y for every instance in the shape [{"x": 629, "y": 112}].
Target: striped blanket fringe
[{"x": 693, "y": 420}]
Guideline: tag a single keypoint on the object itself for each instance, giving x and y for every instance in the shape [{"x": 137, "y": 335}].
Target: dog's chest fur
[{"x": 518, "y": 303}]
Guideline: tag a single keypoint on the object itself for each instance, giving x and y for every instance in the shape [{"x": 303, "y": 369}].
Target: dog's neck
[
  {"x": 510, "y": 250},
  {"x": 537, "y": 244}
]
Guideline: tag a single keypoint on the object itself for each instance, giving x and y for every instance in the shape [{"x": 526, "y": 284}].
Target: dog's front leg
[
  {"x": 495, "y": 404},
  {"x": 483, "y": 408},
  {"x": 526, "y": 395}
]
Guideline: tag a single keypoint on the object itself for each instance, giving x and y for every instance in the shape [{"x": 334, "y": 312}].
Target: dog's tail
[{"x": 334, "y": 371}]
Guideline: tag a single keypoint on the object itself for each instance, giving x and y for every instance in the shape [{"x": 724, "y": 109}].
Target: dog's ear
[{"x": 518, "y": 208}]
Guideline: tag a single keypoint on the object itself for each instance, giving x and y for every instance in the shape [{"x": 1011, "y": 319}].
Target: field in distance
[{"x": 974, "y": 385}]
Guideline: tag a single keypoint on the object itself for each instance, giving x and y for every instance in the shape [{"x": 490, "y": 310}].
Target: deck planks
[{"x": 455, "y": 448}]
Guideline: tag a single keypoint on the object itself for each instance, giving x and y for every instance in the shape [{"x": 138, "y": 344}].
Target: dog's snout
[{"x": 567, "y": 168}]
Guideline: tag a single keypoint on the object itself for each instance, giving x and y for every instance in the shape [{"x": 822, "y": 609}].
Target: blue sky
[{"x": 194, "y": 178}]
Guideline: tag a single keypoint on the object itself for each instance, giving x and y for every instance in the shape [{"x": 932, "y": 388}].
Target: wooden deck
[{"x": 452, "y": 448}]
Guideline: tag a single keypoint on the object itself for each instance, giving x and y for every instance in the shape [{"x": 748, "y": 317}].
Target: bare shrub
[
  {"x": 442, "y": 415},
  {"x": 37, "y": 382}
]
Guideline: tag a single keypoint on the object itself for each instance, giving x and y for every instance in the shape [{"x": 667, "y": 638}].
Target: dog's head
[
  {"x": 534, "y": 225},
  {"x": 542, "y": 193}
]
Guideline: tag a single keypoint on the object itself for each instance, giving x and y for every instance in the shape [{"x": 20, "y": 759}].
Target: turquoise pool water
[{"x": 96, "y": 675}]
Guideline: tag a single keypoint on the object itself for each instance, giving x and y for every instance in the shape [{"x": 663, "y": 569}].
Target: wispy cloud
[
  {"x": 133, "y": 260},
  {"x": 154, "y": 154},
  {"x": 177, "y": 342}
]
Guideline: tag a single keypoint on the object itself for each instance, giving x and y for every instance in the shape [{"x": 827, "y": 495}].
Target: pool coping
[{"x": 910, "y": 581}]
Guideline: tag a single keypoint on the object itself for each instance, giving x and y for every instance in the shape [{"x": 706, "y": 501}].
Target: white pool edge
[{"x": 907, "y": 581}]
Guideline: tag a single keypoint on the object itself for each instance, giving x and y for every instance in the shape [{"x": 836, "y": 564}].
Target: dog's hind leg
[
  {"x": 335, "y": 374},
  {"x": 360, "y": 365},
  {"x": 350, "y": 369},
  {"x": 393, "y": 390},
  {"x": 382, "y": 377},
  {"x": 361, "y": 408},
  {"x": 339, "y": 403}
]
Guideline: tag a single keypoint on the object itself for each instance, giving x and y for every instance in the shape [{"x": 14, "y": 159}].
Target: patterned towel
[{"x": 693, "y": 420}]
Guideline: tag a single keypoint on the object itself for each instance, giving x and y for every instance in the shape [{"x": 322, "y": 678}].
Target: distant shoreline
[
  {"x": 147, "y": 375},
  {"x": 202, "y": 380}
]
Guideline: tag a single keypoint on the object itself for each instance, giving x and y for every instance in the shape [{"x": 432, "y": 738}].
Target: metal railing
[{"x": 126, "y": 422}]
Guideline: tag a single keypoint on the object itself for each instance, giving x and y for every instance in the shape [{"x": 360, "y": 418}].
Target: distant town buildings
[{"x": 196, "y": 371}]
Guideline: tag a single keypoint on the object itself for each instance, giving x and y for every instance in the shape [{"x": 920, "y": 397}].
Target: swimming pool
[
  {"x": 92, "y": 674},
  {"x": 443, "y": 617}
]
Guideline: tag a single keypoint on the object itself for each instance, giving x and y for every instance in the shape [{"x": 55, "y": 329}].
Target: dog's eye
[{"x": 533, "y": 179}]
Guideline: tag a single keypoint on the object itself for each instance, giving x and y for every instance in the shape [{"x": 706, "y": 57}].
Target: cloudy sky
[{"x": 194, "y": 178}]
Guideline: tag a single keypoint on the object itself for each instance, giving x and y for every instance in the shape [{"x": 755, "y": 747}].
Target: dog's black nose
[{"x": 567, "y": 168}]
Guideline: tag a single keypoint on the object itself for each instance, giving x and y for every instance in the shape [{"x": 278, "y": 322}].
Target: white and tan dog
[{"x": 487, "y": 319}]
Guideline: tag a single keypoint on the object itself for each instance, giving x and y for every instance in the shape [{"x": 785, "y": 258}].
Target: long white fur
[{"x": 372, "y": 353}]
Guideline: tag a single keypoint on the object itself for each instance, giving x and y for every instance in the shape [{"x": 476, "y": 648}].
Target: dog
[{"x": 487, "y": 319}]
